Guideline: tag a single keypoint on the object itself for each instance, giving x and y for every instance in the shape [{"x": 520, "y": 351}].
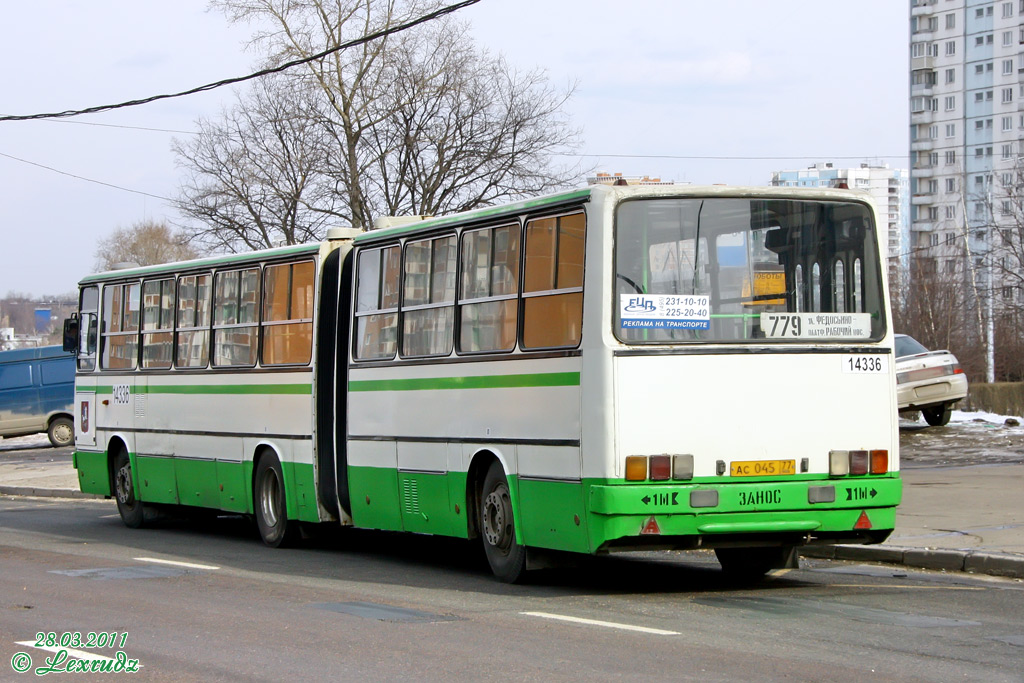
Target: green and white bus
[{"x": 605, "y": 369}]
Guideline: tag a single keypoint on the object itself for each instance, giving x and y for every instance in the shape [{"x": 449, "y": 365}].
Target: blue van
[{"x": 37, "y": 392}]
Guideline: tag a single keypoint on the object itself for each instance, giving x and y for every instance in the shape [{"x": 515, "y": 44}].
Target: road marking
[
  {"x": 905, "y": 586},
  {"x": 80, "y": 654},
  {"x": 606, "y": 624},
  {"x": 189, "y": 565}
]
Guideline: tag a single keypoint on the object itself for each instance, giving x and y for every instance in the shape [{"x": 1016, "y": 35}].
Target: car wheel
[
  {"x": 61, "y": 432},
  {"x": 938, "y": 416}
]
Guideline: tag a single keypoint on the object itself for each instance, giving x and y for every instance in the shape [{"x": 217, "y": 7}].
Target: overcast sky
[{"x": 663, "y": 86}]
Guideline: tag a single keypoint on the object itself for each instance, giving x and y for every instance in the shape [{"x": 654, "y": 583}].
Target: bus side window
[
  {"x": 193, "y": 325},
  {"x": 428, "y": 304},
  {"x": 288, "y": 313},
  {"x": 553, "y": 282},
  {"x": 120, "y": 326},
  {"x": 377, "y": 283},
  {"x": 157, "y": 323},
  {"x": 490, "y": 286},
  {"x": 235, "y": 329}
]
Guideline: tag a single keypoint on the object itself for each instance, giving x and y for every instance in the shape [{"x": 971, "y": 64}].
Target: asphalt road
[{"x": 203, "y": 599}]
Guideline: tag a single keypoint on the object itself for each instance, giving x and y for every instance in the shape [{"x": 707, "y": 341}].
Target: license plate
[{"x": 762, "y": 468}]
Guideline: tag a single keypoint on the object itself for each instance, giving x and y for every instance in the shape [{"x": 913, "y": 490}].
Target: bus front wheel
[
  {"x": 131, "y": 509},
  {"x": 497, "y": 527},
  {"x": 276, "y": 529}
]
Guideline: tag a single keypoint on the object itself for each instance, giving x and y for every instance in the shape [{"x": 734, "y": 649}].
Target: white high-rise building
[
  {"x": 889, "y": 191},
  {"x": 966, "y": 126}
]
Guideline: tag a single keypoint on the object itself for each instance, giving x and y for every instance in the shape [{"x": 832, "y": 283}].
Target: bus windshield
[{"x": 746, "y": 269}]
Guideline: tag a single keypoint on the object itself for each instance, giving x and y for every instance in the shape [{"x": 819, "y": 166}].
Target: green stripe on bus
[
  {"x": 212, "y": 389},
  {"x": 546, "y": 379}
]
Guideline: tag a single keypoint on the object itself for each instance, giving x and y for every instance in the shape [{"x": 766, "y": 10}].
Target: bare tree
[
  {"x": 419, "y": 122},
  {"x": 935, "y": 305},
  {"x": 460, "y": 129},
  {"x": 145, "y": 243},
  {"x": 256, "y": 175}
]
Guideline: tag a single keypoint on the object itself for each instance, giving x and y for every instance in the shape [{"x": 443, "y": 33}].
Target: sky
[{"x": 685, "y": 90}]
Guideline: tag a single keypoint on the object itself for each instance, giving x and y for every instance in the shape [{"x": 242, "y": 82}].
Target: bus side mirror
[{"x": 71, "y": 334}]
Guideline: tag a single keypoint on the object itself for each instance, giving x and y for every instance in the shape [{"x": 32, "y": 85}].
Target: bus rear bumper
[{"x": 850, "y": 510}]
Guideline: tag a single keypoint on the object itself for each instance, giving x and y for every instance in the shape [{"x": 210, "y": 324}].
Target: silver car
[{"x": 929, "y": 381}]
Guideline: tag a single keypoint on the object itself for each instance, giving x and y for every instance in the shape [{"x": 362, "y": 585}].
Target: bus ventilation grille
[{"x": 411, "y": 496}]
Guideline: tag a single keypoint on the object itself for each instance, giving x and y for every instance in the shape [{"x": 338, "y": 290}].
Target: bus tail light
[
  {"x": 842, "y": 463},
  {"x": 682, "y": 467},
  {"x": 661, "y": 467},
  {"x": 636, "y": 468},
  {"x": 879, "y": 462},
  {"x": 839, "y": 463},
  {"x": 859, "y": 462}
]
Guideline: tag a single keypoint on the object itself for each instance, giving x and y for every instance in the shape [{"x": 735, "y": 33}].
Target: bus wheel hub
[{"x": 496, "y": 530}]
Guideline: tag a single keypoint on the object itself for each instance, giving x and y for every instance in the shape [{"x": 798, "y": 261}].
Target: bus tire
[
  {"x": 61, "y": 432},
  {"x": 506, "y": 557},
  {"x": 751, "y": 564},
  {"x": 276, "y": 529},
  {"x": 131, "y": 509}
]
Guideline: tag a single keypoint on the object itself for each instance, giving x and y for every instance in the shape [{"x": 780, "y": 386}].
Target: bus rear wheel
[
  {"x": 751, "y": 564},
  {"x": 131, "y": 509},
  {"x": 276, "y": 529},
  {"x": 505, "y": 555}
]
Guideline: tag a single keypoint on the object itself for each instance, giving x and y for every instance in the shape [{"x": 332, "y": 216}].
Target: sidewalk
[{"x": 953, "y": 518}]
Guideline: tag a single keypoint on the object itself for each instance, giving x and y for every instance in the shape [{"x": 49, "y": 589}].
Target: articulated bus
[{"x": 604, "y": 369}]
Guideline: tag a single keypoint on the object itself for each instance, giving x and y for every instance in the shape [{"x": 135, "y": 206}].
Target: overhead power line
[
  {"x": 115, "y": 125},
  {"x": 265, "y": 72},
  {"x": 88, "y": 180},
  {"x": 741, "y": 158}
]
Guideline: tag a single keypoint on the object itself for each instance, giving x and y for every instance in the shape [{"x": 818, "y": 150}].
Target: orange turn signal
[
  {"x": 636, "y": 468},
  {"x": 879, "y": 462}
]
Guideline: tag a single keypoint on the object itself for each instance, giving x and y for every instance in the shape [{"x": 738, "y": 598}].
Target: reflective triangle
[
  {"x": 650, "y": 526},
  {"x": 863, "y": 522}
]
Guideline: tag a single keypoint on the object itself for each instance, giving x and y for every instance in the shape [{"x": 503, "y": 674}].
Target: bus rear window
[{"x": 735, "y": 270}]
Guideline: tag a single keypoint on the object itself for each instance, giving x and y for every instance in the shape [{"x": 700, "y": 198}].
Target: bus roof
[
  {"x": 551, "y": 200},
  {"x": 555, "y": 200},
  {"x": 205, "y": 262},
  {"x": 615, "y": 192}
]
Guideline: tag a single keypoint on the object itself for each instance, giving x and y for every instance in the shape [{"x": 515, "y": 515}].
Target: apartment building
[
  {"x": 889, "y": 188},
  {"x": 966, "y": 127}
]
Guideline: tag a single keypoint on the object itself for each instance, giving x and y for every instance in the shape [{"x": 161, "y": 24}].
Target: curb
[
  {"x": 970, "y": 561},
  {"x": 46, "y": 493}
]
